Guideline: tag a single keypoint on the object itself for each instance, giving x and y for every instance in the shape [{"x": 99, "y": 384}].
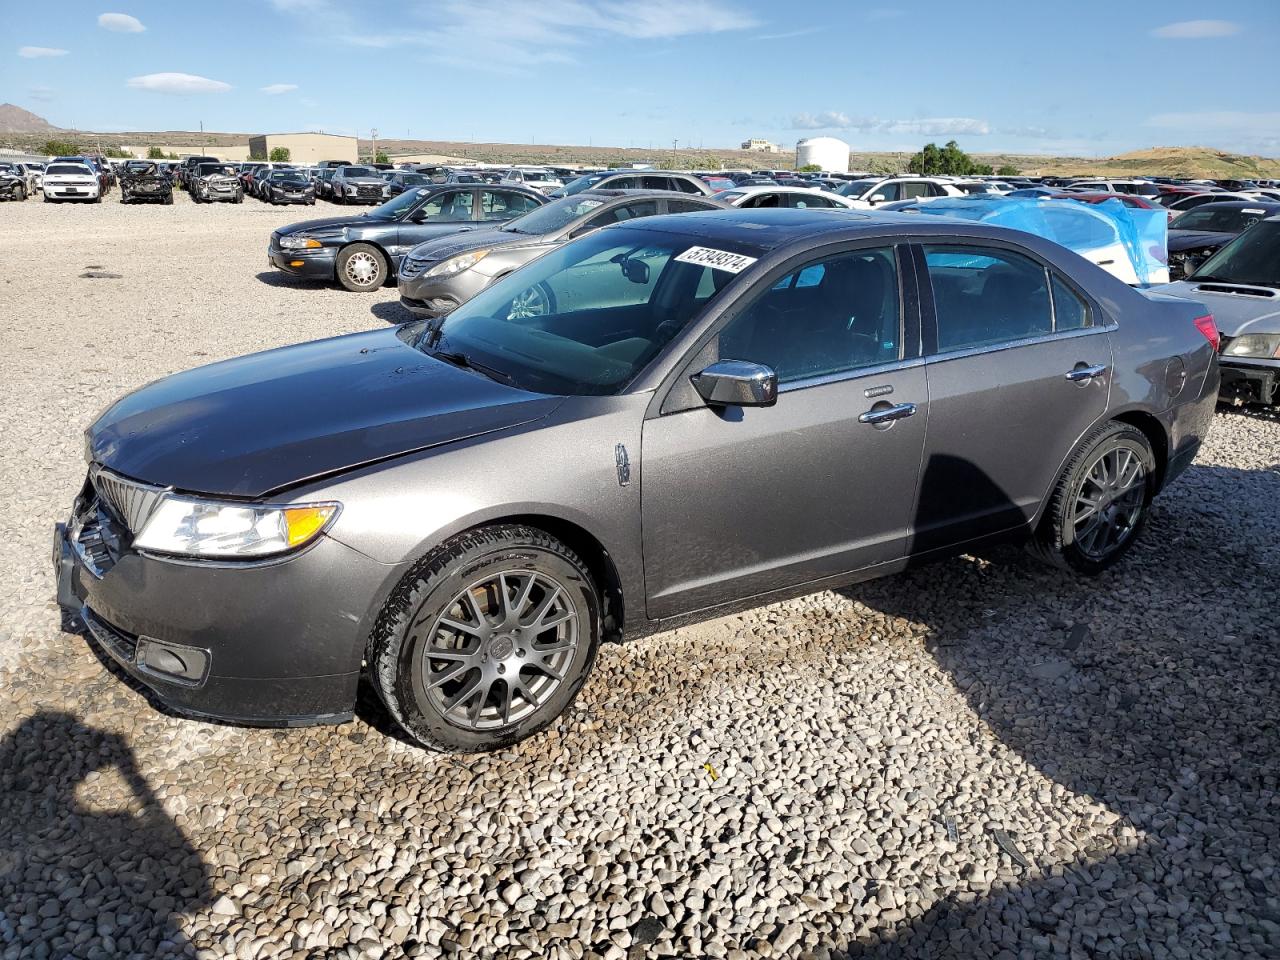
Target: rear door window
[{"x": 986, "y": 296}]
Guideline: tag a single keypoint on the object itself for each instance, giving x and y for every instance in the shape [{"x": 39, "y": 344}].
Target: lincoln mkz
[{"x": 723, "y": 409}]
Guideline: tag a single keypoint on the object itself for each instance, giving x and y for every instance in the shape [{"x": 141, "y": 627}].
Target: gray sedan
[
  {"x": 438, "y": 275},
  {"x": 724, "y": 409}
]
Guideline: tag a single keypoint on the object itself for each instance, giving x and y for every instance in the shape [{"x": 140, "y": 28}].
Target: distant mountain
[{"x": 16, "y": 120}]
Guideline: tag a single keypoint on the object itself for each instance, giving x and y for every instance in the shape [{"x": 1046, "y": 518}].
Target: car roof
[
  {"x": 1270, "y": 207},
  {"x": 778, "y": 227}
]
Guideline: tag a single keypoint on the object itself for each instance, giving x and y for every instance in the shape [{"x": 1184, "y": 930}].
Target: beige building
[
  {"x": 304, "y": 147},
  {"x": 761, "y": 146}
]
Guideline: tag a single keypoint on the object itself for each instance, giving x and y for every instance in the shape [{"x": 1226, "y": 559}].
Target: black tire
[
  {"x": 396, "y": 650},
  {"x": 22, "y": 192},
  {"x": 1055, "y": 541},
  {"x": 360, "y": 250},
  {"x": 169, "y": 199},
  {"x": 98, "y": 198}
]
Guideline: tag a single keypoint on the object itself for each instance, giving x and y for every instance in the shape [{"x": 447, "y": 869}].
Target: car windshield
[
  {"x": 535, "y": 176},
  {"x": 414, "y": 179},
  {"x": 584, "y": 318},
  {"x": 466, "y": 178},
  {"x": 207, "y": 168},
  {"x": 857, "y": 188},
  {"x": 67, "y": 169},
  {"x": 357, "y": 172},
  {"x": 553, "y": 216},
  {"x": 398, "y": 205},
  {"x": 285, "y": 174},
  {"x": 1252, "y": 257},
  {"x": 582, "y": 183},
  {"x": 1221, "y": 220}
]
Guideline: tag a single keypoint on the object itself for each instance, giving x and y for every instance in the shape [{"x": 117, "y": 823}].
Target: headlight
[
  {"x": 200, "y": 528},
  {"x": 1262, "y": 345},
  {"x": 350, "y": 188},
  {"x": 293, "y": 242},
  {"x": 463, "y": 261}
]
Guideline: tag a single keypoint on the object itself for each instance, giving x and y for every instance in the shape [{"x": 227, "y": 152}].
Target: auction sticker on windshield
[{"x": 716, "y": 259}]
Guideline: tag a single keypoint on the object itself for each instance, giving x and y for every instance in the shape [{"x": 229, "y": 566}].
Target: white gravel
[{"x": 856, "y": 772}]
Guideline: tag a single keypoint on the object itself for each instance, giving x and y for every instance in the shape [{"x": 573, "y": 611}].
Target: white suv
[
  {"x": 535, "y": 178},
  {"x": 865, "y": 194}
]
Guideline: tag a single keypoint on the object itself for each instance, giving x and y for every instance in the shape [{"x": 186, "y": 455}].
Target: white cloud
[
  {"x": 34, "y": 53},
  {"x": 1196, "y": 30},
  {"x": 120, "y": 23},
  {"x": 177, "y": 83},
  {"x": 275, "y": 89},
  {"x": 925, "y": 126},
  {"x": 461, "y": 32},
  {"x": 43, "y": 94}
]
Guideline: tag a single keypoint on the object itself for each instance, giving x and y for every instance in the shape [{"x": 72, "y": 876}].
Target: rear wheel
[
  {"x": 1100, "y": 503},
  {"x": 488, "y": 640},
  {"x": 361, "y": 267}
]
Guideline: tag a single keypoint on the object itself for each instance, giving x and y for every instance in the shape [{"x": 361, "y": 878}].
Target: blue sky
[{"x": 1091, "y": 78}]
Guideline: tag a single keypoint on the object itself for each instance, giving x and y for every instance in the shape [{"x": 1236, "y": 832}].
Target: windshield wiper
[{"x": 463, "y": 362}]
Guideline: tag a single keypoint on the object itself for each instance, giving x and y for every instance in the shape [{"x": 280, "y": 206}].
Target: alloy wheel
[
  {"x": 1110, "y": 502},
  {"x": 500, "y": 649},
  {"x": 533, "y": 302}
]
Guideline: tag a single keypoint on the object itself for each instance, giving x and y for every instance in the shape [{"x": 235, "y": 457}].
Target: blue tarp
[{"x": 1078, "y": 226}]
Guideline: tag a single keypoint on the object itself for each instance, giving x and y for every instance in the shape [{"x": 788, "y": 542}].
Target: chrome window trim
[
  {"x": 857, "y": 373},
  {"x": 1023, "y": 342}
]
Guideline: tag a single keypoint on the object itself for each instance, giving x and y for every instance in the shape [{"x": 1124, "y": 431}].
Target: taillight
[{"x": 1209, "y": 327}]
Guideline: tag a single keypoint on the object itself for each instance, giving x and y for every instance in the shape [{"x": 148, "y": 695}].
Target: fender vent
[{"x": 1239, "y": 290}]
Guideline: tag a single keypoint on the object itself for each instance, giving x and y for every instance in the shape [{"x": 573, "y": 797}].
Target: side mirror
[
  {"x": 737, "y": 383},
  {"x": 418, "y": 215},
  {"x": 878, "y": 198}
]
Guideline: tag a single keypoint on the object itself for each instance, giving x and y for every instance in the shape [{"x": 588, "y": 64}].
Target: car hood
[
  {"x": 333, "y": 225},
  {"x": 1237, "y": 308},
  {"x": 364, "y": 181},
  {"x": 1190, "y": 239},
  {"x": 445, "y": 247},
  {"x": 254, "y": 425}
]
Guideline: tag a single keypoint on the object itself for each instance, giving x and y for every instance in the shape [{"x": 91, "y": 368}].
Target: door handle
[
  {"x": 1082, "y": 373},
  {"x": 888, "y": 414}
]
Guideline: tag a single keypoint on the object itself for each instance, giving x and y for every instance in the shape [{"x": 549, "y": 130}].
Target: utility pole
[
  {"x": 373, "y": 134},
  {"x": 675, "y": 159}
]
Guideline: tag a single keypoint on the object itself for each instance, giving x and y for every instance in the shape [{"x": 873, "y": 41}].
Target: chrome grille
[{"x": 130, "y": 501}]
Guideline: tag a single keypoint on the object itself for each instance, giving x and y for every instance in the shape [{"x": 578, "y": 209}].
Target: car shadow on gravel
[
  {"x": 77, "y": 817},
  {"x": 1152, "y": 689},
  {"x": 391, "y": 312},
  {"x": 276, "y": 278}
]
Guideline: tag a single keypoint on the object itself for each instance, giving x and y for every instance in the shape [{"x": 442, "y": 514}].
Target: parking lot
[{"x": 984, "y": 757}]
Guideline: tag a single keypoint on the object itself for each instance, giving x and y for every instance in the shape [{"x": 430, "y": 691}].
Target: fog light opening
[{"x": 172, "y": 661}]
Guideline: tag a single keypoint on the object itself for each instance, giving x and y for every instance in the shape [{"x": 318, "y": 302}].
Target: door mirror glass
[
  {"x": 877, "y": 198},
  {"x": 737, "y": 383}
]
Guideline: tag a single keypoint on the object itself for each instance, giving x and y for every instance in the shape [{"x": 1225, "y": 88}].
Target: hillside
[
  {"x": 1158, "y": 161},
  {"x": 16, "y": 120}
]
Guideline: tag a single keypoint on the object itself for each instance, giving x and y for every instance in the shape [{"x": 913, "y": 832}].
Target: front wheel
[
  {"x": 487, "y": 640},
  {"x": 1100, "y": 503},
  {"x": 361, "y": 267}
]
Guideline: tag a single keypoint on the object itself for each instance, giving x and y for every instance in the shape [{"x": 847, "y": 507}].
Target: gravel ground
[{"x": 981, "y": 758}]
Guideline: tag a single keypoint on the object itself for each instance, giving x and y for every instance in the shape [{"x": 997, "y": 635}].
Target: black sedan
[
  {"x": 288, "y": 186},
  {"x": 403, "y": 180},
  {"x": 1197, "y": 234},
  {"x": 363, "y": 250}
]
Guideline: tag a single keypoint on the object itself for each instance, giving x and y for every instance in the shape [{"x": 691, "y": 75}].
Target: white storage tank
[{"x": 828, "y": 153}]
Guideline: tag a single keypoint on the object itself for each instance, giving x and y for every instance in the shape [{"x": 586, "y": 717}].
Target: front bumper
[
  {"x": 281, "y": 642},
  {"x": 304, "y": 198},
  {"x": 1249, "y": 381},
  {"x": 425, "y": 296},
  {"x": 306, "y": 264}
]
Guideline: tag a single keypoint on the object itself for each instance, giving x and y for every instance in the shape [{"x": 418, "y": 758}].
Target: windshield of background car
[
  {"x": 69, "y": 169},
  {"x": 585, "y": 318},
  {"x": 1252, "y": 257},
  {"x": 553, "y": 216},
  {"x": 536, "y": 176},
  {"x": 1219, "y": 221},
  {"x": 414, "y": 179},
  {"x": 582, "y": 183},
  {"x": 857, "y": 188},
  {"x": 207, "y": 168},
  {"x": 398, "y": 205},
  {"x": 287, "y": 175},
  {"x": 358, "y": 172}
]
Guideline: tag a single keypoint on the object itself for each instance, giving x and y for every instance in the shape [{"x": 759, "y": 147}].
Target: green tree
[
  {"x": 949, "y": 160},
  {"x": 1008, "y": 170},
  {"x": 810, "y": 168},
  {"x": 61, "y": 148},
  {"x": 381, "y": 157},
  {"x": 279, "y": 155},
  {"x": 155, "y": 153},
  {"x": 257, "y": 155}
]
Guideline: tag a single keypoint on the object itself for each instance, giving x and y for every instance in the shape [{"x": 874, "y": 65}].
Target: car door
[
  {"x": 741, "y": 501},
  {"x": 442, "y": 212},
  {"x": 1019, "y": 367}
]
